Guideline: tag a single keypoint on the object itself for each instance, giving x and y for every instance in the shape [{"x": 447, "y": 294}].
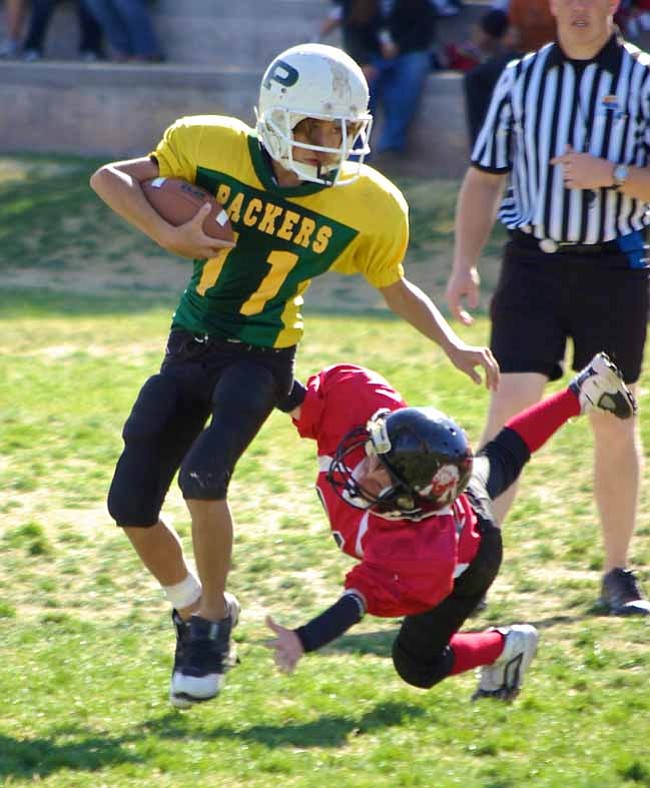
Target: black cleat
[
  {"x": 621, "y": 595},
  {"x": 204, "y": 653}
]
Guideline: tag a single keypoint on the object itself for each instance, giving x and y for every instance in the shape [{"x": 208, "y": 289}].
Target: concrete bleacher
[{"x": 215, "y": 56}]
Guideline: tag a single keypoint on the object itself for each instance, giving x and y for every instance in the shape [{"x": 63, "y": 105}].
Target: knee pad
[
  {"x": 419, "y": 672},
  {"x": 206, "y": 469},
  {"x": 129, "y": 510},
  {"x": 204, "y": 483}
]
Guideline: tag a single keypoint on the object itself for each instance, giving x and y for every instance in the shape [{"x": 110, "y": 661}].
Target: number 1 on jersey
[{"x": 281, "y": 264}]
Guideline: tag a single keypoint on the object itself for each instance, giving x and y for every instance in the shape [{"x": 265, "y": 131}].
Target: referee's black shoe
[{"x": 621, "y": 595}]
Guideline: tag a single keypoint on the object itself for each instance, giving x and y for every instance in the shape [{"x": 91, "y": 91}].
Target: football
[{"x": 177, "y": 201}]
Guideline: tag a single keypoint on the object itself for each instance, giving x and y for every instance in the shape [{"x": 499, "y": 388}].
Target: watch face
[{"x": 620, "y": 173}]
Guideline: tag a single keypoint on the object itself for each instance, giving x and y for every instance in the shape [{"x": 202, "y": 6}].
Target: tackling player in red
[{"x": 407, "y": 500}]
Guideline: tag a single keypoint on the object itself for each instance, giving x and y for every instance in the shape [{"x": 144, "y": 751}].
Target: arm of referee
[
  {"x": 584, "y": 171},
  {"x": 478, "y": 201}
]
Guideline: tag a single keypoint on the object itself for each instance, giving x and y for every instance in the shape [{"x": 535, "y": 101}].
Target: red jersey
[{"x": 405, "y": 566}]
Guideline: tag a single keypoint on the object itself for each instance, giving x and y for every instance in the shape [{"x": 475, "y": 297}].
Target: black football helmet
[{"x": 426, "y": 454}]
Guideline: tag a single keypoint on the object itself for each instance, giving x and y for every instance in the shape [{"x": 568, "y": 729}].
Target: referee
[{"x": 568, "y": 130}]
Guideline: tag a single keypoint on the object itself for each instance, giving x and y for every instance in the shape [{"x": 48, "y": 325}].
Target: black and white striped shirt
[{"x": 544, "y": 102}]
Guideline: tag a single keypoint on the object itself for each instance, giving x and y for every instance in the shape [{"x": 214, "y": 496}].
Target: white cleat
[
  {"x": 600, "y": 386},
  {"x": 503, "y": 678}
]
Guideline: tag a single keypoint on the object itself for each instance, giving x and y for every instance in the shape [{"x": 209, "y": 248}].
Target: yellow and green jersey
[{"x": 285, "y": 236}]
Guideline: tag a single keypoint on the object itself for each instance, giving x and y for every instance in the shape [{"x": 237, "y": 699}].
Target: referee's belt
[{"x": 548, "y": 246}]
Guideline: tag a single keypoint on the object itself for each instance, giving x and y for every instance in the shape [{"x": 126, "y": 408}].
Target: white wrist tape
[{"x": 185, "y": 593}]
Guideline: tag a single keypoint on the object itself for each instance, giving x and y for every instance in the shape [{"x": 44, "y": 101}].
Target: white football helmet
[{"x": 314, "y": 81}]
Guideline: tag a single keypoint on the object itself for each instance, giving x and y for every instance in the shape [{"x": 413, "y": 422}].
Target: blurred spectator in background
[
  {"x": 446, "y": 7},
  {"x": 391, "y": 40},
  {"x": 90, "y": 33},
  {"x": 497, "y": 43},
  {"x": 359, "y": 22},
  {"x": 128, "y": 29},
  {"x": 533, "y": 22},
  {"x": 633, "y": 18},
  {"x": 15, "y": 16},
  {"x": 405, "y": 42},
  {"x": 459, "y": 56}
]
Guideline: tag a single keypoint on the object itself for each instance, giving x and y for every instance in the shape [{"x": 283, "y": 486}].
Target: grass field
[{"x": 86, "y": 637}]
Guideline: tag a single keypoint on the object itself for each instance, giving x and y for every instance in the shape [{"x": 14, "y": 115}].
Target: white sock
[{"x": 185, "y": 593}]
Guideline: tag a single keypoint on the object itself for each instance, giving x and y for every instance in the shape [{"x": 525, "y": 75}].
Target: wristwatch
[{"x": 620, "y": 175}]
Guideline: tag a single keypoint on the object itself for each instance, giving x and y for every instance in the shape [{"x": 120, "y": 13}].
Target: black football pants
[
  {"x": 233, "y": 384},
  {"x": 421, "y": 652}
]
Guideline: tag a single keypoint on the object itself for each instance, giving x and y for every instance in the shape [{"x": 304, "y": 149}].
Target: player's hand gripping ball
[{"x": 177, "y": 201}]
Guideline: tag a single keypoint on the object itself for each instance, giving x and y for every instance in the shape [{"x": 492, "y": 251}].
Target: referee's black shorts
[{"x": 541, "y": 300}]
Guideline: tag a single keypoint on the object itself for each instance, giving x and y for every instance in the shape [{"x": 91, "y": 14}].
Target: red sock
[
  {"x": 536, "y": 424},
  {"x": 473, "y": 649}
]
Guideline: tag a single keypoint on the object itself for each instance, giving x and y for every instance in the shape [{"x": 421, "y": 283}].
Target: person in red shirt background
[
  {"x": 533, "y": 23},
  {"x": 405, "y": 497}
]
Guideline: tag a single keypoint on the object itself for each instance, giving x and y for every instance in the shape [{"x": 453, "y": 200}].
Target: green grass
[{"x": 86, "y": 637}]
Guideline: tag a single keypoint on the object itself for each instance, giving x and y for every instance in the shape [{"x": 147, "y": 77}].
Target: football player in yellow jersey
[{"x": 300, "y": 204}]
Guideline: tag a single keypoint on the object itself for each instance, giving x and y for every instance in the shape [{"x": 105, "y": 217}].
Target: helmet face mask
[
  {"x": 323, "y": 83},
  {"x": 425, "y": 453},
  {"x": 343, "y": 478}
]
